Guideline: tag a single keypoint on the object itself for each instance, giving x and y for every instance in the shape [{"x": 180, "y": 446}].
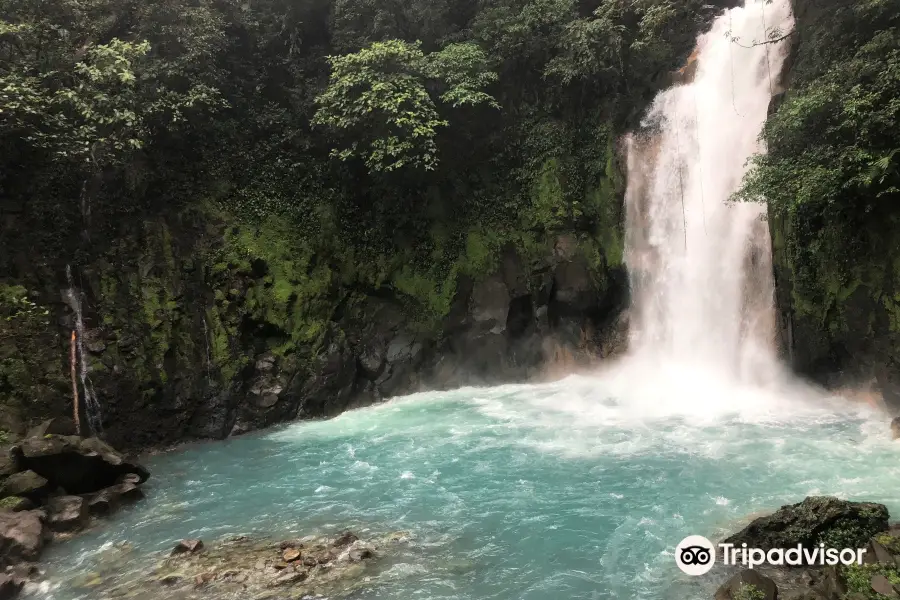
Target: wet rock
[
  {"x": 54, "y": 426},
  {"x": 67, "y": 513},
  {"x": 371, "y": 360},
  {"x": 818, "y": 519},
  {"x": 10, "y": 586},
  {"x": 736, "y": 587},
  {"x": 360, "y": 551},
  {"x": 291, "y": 576},
  {"x": 190, "y": 546},
  {"x": 489, "y": 303},
  {"x": 881, "y": 585},
  {"x": 895, "y": 428},
  {"x": 110, "y": 499},
  {"x": 26, "y": 484},
  {"x": 78, "y": 466},
  {"x": 290, "y": 554},
  {"x": 22, "y": 536},
  {"x": 345, "y": 539},
  {"x": 171, "y": 579}
]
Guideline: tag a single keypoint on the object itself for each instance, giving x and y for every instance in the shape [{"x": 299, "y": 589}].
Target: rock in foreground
[
  {"x": 818, "y": 519},
  {"x": 836, "y": 524},
  {"x": 22, "y": 536}
]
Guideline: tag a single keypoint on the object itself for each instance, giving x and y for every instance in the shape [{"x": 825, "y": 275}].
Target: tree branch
[{"x": 755, "y": 43}]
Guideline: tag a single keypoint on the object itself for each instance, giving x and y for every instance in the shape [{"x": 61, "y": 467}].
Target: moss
[
  {"x": 10, "y": 503},
  {"x": 749, "y": 592},
  {"x": 888, "y": 541},
  {"x": 859, "y": 577}
]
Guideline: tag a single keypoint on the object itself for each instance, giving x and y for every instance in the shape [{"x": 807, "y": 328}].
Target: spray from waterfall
[
  {"x": 91, "y": 404},
  {"x": 701, "y": 267}
]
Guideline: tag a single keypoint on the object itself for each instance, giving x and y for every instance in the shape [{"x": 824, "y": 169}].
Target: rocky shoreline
[{"x": 53, "y": 484}]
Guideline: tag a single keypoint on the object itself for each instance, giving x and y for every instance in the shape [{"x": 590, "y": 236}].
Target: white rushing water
[{"x": 701, "y": 266}]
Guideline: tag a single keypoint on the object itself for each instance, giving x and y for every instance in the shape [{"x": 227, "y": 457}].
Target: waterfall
[
  {"x": 701, "y": 269},
  {"x": 91, "y": 404}
]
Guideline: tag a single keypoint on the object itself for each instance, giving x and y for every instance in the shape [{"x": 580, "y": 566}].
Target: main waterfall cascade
[{"x": 700, "y": 266}]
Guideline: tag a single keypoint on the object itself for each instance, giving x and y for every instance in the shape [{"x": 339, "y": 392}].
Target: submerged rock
[
  {"x": 78, "y": 466},
  {"x": 242, "y": 567},
  {"x": 818, "y": 519}
]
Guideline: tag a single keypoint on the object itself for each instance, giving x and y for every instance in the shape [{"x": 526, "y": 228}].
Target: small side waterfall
[
  {"x": 701, "y": 266},
  {"x": 91, "y": 404}
]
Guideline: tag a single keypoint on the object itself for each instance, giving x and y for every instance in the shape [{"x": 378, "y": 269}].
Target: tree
[{"x": 385, "y": 97}]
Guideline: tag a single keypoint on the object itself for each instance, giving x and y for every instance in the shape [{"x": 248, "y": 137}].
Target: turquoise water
[{"x": 578, "y": 489}]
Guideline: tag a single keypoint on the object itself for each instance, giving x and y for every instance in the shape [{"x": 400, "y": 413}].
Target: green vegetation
[
  {"x": 749, "y": 592},
  {"x": 859, "y": 578},
  {"x": 830, "y": 175},
  {"x": 230, "y": 178}
]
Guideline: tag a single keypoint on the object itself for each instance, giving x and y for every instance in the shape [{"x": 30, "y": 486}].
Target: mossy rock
[
  {"x": 15, "y": 504},
  {"x": 816, "y": 520}
]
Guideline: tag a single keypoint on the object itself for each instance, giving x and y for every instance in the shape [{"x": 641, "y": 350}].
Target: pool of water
[{"x": 578, "y": 489}]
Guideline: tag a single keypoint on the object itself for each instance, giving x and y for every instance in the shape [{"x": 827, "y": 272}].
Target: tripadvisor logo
[{"x": 696, "y": 555}]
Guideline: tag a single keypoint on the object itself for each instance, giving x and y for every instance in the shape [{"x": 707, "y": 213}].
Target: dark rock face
[
  {"x": 220, "y": 360},
  {"x": 76, "y": 465},
  {"x": 22, "y": 536},
  {"x": 739, "y": 585},
  {"x": 54, "y": 426},
  {"x": 818, "y": 519}
]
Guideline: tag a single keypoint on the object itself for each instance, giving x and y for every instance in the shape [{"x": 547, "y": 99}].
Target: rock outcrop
[
  {"x": 79, "y": 466},
  {"x": 69, "y": 480},
  {"x": 818, "y": 519}
]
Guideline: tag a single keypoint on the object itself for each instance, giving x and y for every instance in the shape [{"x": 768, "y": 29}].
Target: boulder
[
  {"x": 110, "y": 499},
  {"x": 736, "y": 587},
  {"x": 55, "y": 426},
  {"x": 818, "y": 519},
  {"x": 10, "y": 586},
  {"x": 22, "y": 536},
  {"x": 187, "y": 547},
  {"x": 78, "y": 466},
  {"x": 67, "y": 513},
  {"x": 290, "y": 554},
  {"x": 26, "y": 484}
]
